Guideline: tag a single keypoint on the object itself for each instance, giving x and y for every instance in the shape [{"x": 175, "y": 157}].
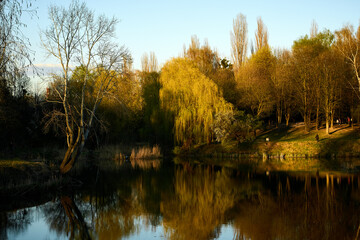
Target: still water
[{"x": 156, "y": 200}]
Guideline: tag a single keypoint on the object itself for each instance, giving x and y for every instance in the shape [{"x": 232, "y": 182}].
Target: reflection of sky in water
[{"x": 39, "y": 229}]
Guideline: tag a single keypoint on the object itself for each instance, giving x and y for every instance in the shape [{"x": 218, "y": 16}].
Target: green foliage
[
  {"x": 192, "y": 99},
  {"x": 313, "y": 46},
  {"x": 306, "y": 53},
  {"x": 229, "y": 126},
  {"x": 255, "y": 83},
  {"x": 155, "y": 128},
  {"x": 18, "y": 120},
  {"x": 225, "y": 80},
  {"x": 226, "y": 64},
  {"x": 121, "y": 111}
]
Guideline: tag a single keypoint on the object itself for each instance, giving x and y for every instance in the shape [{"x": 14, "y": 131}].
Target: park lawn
[
  {"x": 287, "y": 142},
  {"x": 343, "y": 140}
]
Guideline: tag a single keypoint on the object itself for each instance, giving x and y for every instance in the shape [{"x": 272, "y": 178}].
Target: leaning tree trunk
[
  {"x": 72, "y": 153},
  {"x": 74, "y": 150},
  {"x": 70, "y": 157}
]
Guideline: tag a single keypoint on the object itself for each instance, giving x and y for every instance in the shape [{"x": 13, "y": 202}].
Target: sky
[{"x": 165, "y": 26}]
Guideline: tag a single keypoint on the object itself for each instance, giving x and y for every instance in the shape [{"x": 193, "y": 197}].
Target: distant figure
[
  {"x": 337, "y": 122},
  {"x": 317, "y": 137}
]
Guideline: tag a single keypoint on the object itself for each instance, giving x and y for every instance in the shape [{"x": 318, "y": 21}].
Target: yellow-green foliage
[
  {"x": 193, "y": 98},
  {"x": 146, "y": 152}
]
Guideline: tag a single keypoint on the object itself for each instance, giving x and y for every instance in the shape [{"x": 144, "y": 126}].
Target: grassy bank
[
  {"x": 343, "y": 141},
  {"x": 290, "y": 142},
  {"x": 19, "y": 177}
]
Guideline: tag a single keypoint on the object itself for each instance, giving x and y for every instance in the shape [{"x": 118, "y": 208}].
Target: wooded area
[{"x": 197, "y": 98}]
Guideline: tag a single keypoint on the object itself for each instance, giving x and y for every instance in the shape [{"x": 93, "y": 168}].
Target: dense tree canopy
[{"x": 192, "y": 98}]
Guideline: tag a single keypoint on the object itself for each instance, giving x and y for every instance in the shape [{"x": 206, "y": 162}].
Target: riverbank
[
  {"x": 289, "y": 143},
  {"x": 20, "y": 177}
]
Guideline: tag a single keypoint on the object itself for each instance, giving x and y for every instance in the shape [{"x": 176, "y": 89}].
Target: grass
[
  {"x": 20, "y": 176},
  {"x": 342, "y": 141},
  {"x": 146, "y": 152},
  {"x": 297, "y": 133},
  {"x": 289, "y": 142},
  {"x": 16, "y": 163}
]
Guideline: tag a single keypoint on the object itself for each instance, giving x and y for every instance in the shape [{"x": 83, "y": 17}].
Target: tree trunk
[
  {"x": 287, "y": 118},
  {"x": 279, "y": 114},
  {"x": 327, "y": 127},
  {"x": 327, "y": 122},
  {"x": 307, "y": 122},
  {"x": 70, "y": 157},
  {"x": 317, "y": 117}
]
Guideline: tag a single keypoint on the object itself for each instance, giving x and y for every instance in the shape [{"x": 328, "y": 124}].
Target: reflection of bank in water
[
  {"x": 146, "y": 163},
  {"x": 298, "y": 205},
  {"x": 145, "y": 157},
  {"x": 137, "y": 163}
]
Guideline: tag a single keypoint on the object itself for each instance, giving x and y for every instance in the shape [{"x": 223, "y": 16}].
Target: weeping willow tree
[{"x": 192, "y": 99}]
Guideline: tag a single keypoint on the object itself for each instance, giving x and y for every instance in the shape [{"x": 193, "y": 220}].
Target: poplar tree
[{"x": 239, "y": 40}]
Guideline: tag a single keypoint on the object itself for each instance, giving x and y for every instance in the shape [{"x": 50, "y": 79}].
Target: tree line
[{"x": 199, "y": 97}]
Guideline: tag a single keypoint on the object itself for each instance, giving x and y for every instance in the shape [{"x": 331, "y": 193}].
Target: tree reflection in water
[
  {"x": 75, "y": 219},
  {"x": 202, "y": 197},
  {"x": 65, "y": 218},
  {"x": 191, "y": 201},
  {"x": 300, "y": 208},
  {"x": 14, "y": 222}
]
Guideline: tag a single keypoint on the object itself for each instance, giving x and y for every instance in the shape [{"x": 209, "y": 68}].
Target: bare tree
[
  {"x": 76, "y": 37},
  {"x": 348, "y": 44},
  {"x": 314, "y": 29},
  {"x": 239, "y": 40},
  {"x": 149, "y": 63},
  {"x": 261, "y": 35},
  {"x": 204, "y": 57},
  {"x": 15, "y": 55},
  {"x": 145, "y": 63},
  {"x": 153, "y": 62}
]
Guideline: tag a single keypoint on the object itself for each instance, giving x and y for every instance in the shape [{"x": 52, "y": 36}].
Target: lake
[{"x": 187, "y": 200}]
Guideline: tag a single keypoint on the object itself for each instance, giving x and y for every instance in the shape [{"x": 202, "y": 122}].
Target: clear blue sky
[{"x": 165, "y": 26}]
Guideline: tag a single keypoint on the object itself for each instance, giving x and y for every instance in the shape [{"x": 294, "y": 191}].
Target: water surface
[{"x": 155, "y": 200}]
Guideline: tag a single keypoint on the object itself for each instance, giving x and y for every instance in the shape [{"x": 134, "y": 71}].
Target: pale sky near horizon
[{"x": 164, "y": 27}]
